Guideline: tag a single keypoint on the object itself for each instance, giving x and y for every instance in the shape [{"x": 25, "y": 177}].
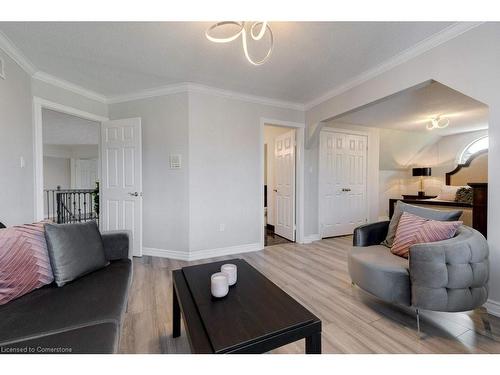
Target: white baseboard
[
  {"x": 201, "y": 254},
  {"x": 162, "y": 253},
  {"x": 311, "y": 238},
  {"x": 493, "y": 307}
]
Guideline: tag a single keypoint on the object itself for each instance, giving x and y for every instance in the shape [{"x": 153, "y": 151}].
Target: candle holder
[
  {"x": 219, "y": 285},
  {"x": 231, "y": 271}
]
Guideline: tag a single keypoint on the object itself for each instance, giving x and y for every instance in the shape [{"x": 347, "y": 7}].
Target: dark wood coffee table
[{"x": 255, "y": 317}]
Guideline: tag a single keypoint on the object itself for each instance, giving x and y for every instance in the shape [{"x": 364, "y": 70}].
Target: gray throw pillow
[
  {"x": 426, "y": 213},
  {"x": 74, "y": 250}
]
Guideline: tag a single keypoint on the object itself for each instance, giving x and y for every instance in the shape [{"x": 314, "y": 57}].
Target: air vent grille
[{"x": 175, "y": 161}]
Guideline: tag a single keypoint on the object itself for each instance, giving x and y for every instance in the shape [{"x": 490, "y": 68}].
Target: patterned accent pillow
[
  {"x": 414, "y": 229},
  {"x": 24, "y": 261}
]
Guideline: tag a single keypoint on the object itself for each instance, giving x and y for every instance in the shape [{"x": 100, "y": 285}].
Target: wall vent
[
  {"x": 175, "y": 161},
  {"x": 2, "y": 70}
]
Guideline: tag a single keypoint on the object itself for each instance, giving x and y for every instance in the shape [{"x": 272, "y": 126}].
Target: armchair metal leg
[{"x": 418, "y": 323}]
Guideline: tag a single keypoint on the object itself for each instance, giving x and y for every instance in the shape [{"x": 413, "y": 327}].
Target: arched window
[{"x": 474, "y": 147}]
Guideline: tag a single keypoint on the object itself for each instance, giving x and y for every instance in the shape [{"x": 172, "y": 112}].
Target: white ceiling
[
  {"x": 412, "y": 109},
  {"x": 62, "y": 129},
  {"x": 309, "y": 58}
]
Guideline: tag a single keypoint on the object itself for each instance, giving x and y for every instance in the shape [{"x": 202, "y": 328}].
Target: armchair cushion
[
  {"x": 419, "y": 211},
  {"x": 381, "y": 273}
]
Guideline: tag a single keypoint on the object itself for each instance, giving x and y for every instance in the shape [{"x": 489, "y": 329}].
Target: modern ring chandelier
[
  {"x": 257, "y": 32},
  {"x": 438, "y": 123}
]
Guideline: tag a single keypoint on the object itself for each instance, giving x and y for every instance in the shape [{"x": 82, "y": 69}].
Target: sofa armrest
[
  {"x": 116, "y": 244},
  {"x": 450, "y": 275},
  {"x": 370, "y": 234}
]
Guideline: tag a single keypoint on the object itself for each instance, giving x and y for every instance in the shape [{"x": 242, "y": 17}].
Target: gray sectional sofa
[
  {"x": 450, "y": 275},
  {"x": 84, "y": 316}
]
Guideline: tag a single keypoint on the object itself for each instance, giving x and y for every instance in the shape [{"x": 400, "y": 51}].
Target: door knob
[
  {"x": 135, "y": 194},
  {"x": 346, "y": 189},
  {"x": 275, "y": 190}
]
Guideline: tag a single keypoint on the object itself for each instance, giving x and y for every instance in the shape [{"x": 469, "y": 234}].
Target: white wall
[
  {"x": 56, "y": 172},
  {"x": 165, "y": 131},
  {"x": 225, "y": 169},
  {"x": 270, "y": 134},
  {"x": 71, "y": 151},
  {"x": 16, "y": 183},
  {"x": 467, "y": 64}
]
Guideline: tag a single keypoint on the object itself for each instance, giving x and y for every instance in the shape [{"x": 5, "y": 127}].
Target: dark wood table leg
[
  {"x": 176, "y": 318},
  {"x": 313, "y": 343}
]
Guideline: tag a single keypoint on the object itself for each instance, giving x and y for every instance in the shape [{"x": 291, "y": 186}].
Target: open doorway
[
  {"x": 279, "y": 184},
  {"x": 427, "y": 146},
  {"x": 71, "y": 167}
]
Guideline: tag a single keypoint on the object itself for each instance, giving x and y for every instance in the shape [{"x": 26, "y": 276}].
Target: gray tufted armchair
[{"x": 450, "y": 275}]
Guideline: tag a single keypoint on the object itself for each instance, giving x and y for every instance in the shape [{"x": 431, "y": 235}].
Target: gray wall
[
  {"x": 225, "y": 169},
  {"x": 16, "y": 183},
  {"x": 166, "y": 192}
]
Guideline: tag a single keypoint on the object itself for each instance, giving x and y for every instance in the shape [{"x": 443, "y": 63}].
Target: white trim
[
  {"x": 38, "y": 105},
  {"x": 163, "y": 253},
  {"x": 366, "y": 134},
  {"x": 425, "y": 45},
  {"x": 299, "y": 175},
  {"x": 311, "y": 238},
  {"x": 493, "y": 307},
  {"x": 198, "y": 88},
  {"x": 201, "y": 254},
  {"x": 61, "y": 83},
  {"x": 15, "y": 54},
  {"x": 149, "y": 93},
  {"x": 2, "y": 68}
]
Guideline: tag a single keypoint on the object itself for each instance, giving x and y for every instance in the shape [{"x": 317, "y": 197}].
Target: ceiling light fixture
[
  {"x": 257, "y": 32},
  {"x": 438, "y": 123}
]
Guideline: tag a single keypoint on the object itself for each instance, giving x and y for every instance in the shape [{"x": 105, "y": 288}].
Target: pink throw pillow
[
  {"x": 414, "y": 229},
  {"x": 24, "y": 261}
]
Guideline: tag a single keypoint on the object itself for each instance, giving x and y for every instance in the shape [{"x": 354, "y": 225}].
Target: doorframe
[
  {"x": 38, "y": 105},
  {"x": 345, "y": 131},
  {"x": 299, "y": 127}
]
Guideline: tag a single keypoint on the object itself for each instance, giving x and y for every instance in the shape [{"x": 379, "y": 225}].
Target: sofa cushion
[
  {"x": 24, "y": 261},
  {"x": 381, "y": 273},
  {"x": 426, "y": 213},
  {"x": 94, "y": 339},
  {"x": 74, "y": 250},
  {"x": 95, "y": 298}
]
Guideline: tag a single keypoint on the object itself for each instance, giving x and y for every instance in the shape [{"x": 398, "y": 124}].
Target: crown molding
[
  {"x": 204, "y": 89},
  {"x": 198, "y": 88},
  {"x": 58, "y": 82},
  {"x": 149, "y": 93},
  {"x": 425, "y": 45},
  {"x": 15, "y": 54}
]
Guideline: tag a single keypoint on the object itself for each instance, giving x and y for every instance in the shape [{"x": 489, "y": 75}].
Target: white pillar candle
[
  {"x": 219, "y": 285},
  {"x": 231, "y": 271}
]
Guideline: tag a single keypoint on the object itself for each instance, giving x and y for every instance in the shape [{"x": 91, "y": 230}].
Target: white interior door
[
  {"x": 85, "y": 173},
  {"x": 121, "y": 188},
  {"x": 342, "y": 183},
  {"x": 284, "y": 174}
]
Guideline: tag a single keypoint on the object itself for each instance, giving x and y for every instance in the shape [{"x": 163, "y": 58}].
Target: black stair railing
[{"x": 71, "y": 205}]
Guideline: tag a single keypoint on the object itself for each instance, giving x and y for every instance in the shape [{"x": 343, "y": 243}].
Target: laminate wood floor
[{"x": 316, "y": 275}]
